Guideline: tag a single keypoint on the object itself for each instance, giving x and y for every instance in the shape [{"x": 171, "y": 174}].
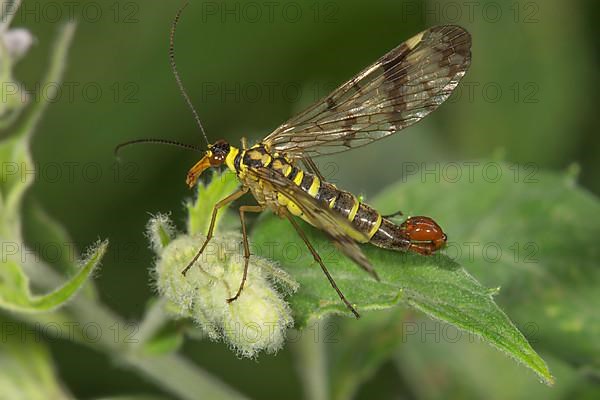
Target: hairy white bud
[{"x": 256, "y": 321}]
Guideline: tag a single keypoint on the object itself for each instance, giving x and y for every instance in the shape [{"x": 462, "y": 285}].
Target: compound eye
[
  {"x": 221, "y": 147},
  {"x": 218, "y": 152}
]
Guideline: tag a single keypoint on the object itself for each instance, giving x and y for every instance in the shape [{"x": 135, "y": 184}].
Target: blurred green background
[{"x": 531, "y": 93}]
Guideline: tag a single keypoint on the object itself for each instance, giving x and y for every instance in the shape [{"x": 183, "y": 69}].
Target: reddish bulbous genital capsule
[{"x": 425, "y": 235}]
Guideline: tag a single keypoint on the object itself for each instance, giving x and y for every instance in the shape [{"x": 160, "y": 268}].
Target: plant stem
[
  {"x": 49, "y": 84},
  {"x": 154, "y": 319},
  {"x": 171, "y": 372},
  {"x": 311, "y": 361}
]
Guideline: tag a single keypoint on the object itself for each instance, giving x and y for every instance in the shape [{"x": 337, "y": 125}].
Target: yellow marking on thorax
[
  {"x": 266, "y": 159},
  {"x": 254, "y": 155},
  {"x": 243, "y": 167},
  {"x": 314, "y": 186},
  {"x": 284, "y": 168},
  {"x": 375, "y": 228},
  {"x": 230, "y": 160}
]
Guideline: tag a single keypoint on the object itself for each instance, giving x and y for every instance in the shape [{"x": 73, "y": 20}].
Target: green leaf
[
  {"x": 16, "y": 296},
  {"x": 15, "y": 178},
  {"x": 17, "y": 168},
  {"x": 43, "y": 232},
  {"x": 534, "y": 234},
  {"x": 52, "y": 243},
  {"x": 310, "y": 356},
  {"x": 158, "y": 333},
  {"x": 168, "y": 339},
  {"x": 199, "y": 211},
  {"x": 26, "y": 370},
  {"x": 132, "y": 397},
  {"x": 366, "y": 345},
  {"x": 438, "y": 362},
  {"x": 436, "y": 285}
]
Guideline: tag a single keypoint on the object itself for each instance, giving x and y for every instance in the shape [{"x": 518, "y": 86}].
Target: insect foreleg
[
  {"x": 320, "y": 261},
  {"x": 209, "y": 234},
  {"x": 245, "y": 209}
]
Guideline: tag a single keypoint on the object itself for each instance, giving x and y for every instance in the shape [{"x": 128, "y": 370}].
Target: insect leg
[
  {"x": 312, "y": 167},
  {"x": 244, "y": 143},
  {"x": 213, "y": 218},
  {"x": 320, "y": 261},
  {"x": 245, "y": 209},
  {"x": 396, "y": 214}
]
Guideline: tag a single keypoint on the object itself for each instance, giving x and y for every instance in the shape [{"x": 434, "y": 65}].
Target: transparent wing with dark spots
[
  {"x": 401, "y": 88},
  {"x": 339, "y": 229}
]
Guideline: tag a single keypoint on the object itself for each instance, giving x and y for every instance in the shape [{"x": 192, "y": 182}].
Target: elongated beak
[{"x": 197, "y": 170}]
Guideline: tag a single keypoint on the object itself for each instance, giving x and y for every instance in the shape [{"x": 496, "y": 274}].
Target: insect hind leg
[
  {"x": 245, "y": 209},
  {"x": 321, "y": 264},
  {"x": 394, "y": 214},
  {"x": 211, "y": 227}
]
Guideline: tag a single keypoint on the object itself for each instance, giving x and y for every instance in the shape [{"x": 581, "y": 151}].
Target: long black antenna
[
  {"x": 176, "y": 73},
  {"x": 157, "y": 141}
]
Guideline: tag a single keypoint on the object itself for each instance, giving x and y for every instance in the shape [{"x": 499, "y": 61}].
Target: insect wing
[{"x": 401, "y": 88}]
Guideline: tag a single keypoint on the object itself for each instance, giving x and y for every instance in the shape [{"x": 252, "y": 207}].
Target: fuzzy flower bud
[{"x": 256, "y": 321}]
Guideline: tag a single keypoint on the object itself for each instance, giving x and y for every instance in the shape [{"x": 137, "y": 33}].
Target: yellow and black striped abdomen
[
  {"x": 368, "y": 221},
  {"x": 364, "y": 218},
  {"x": 378, "y": 230}
]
